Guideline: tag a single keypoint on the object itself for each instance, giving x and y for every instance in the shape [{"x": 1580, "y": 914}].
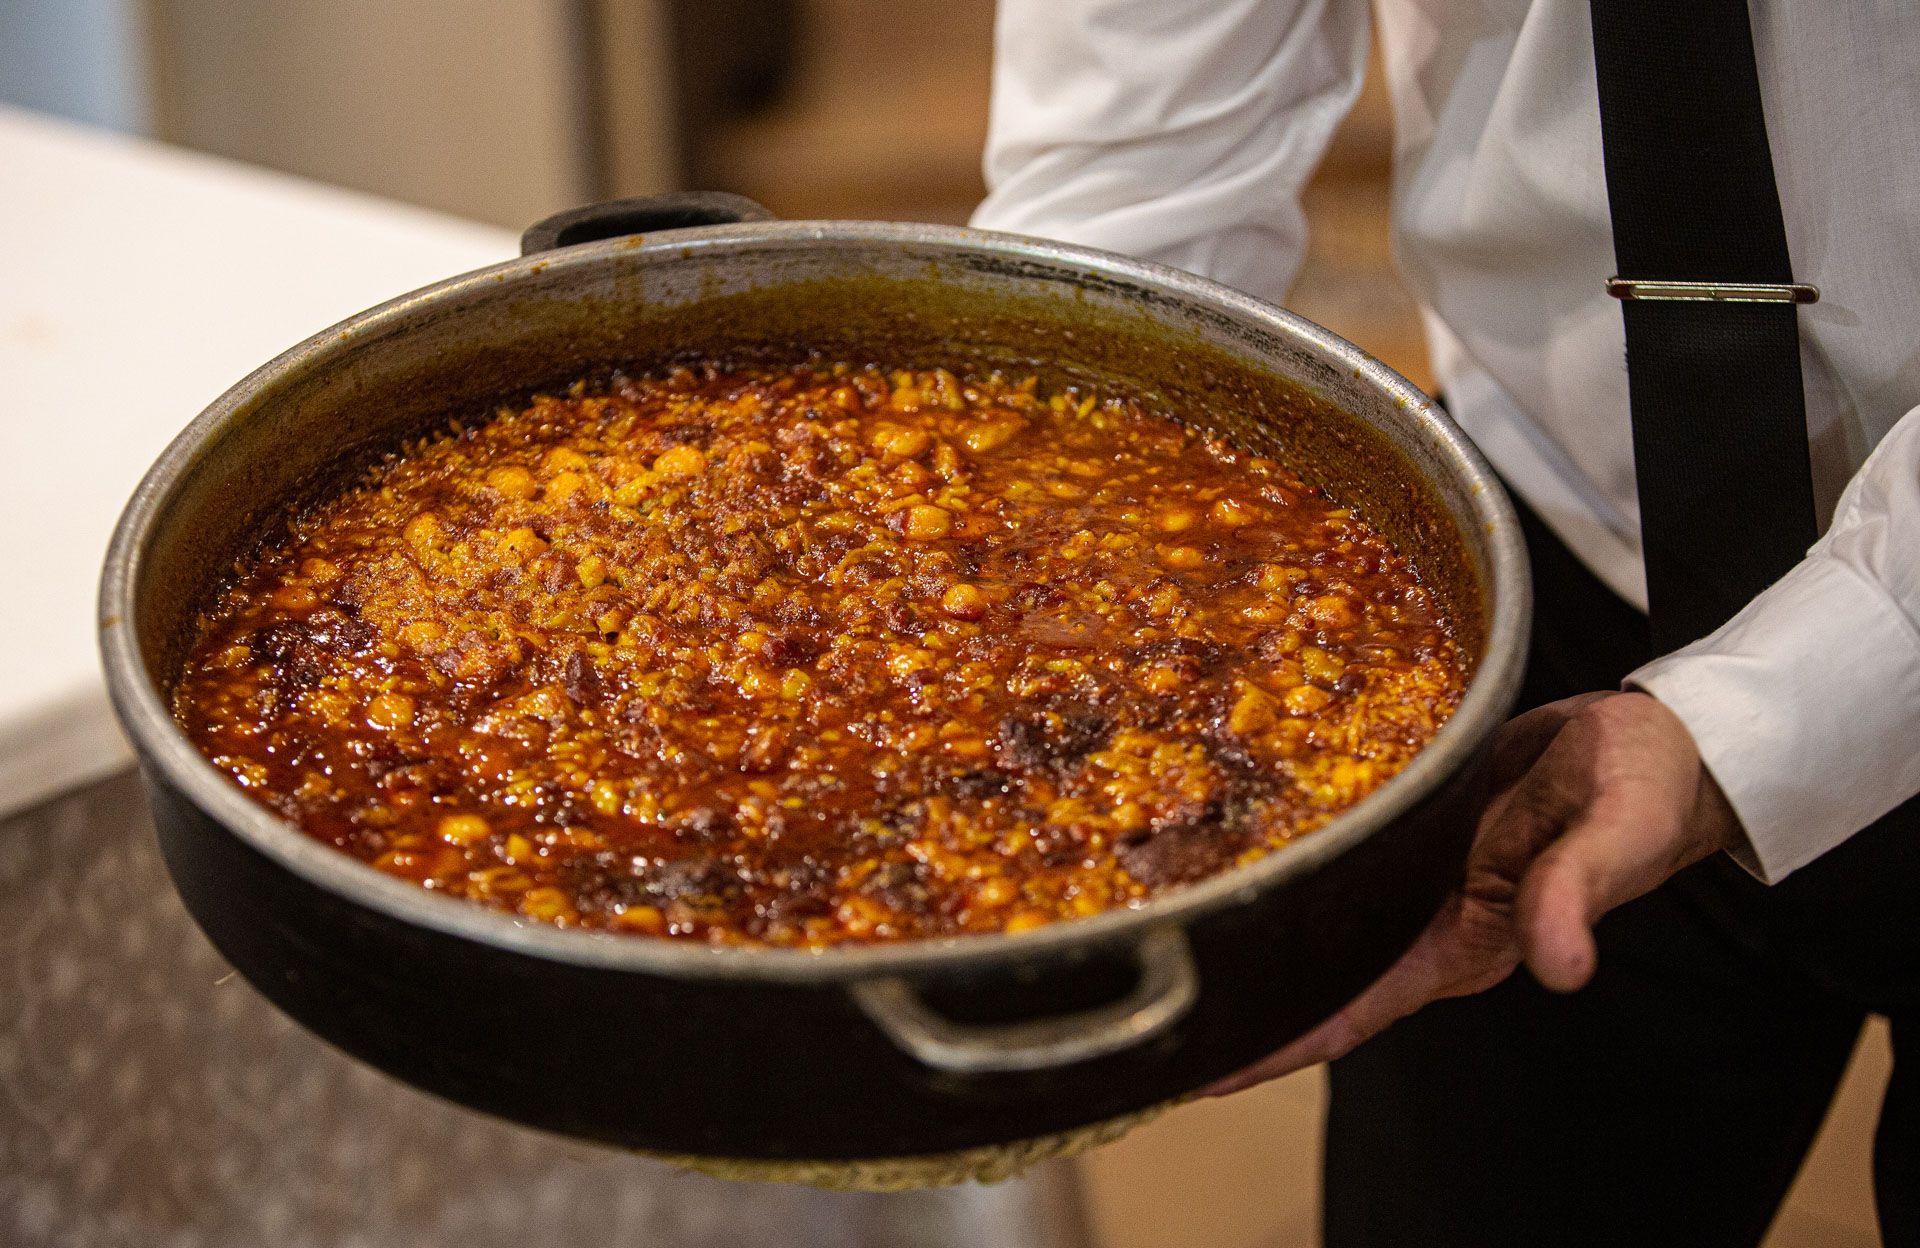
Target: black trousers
[{"x": 1671, "y": 1101}]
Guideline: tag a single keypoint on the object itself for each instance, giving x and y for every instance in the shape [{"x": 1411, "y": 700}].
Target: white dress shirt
[{"x": 1183, "y": 131}]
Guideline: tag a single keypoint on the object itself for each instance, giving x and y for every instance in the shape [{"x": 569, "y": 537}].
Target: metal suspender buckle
[{"x": 1714, "y": 292}]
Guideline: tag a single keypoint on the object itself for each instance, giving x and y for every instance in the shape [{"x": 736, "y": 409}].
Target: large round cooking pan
[{"x": 851, "y": 1052}]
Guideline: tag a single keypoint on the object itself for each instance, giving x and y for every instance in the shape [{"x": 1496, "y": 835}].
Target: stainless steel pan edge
[{"x": 1418, "y": 427}]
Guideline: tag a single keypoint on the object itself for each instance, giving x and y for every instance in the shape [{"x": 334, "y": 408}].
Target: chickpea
[
  {"x": 514, "y": 482},
  {"x": 565, "y": 486},
  {"x": 1163, "y": 680},
  {"x": 423, "y": 531},
  {"x": 1321, "y": 666},
  {"x": 522, "y": 544},
  {"x": 606, "y": 798},
  {"x": 501, "y": 882},
  {"x": 861, "y": 916},
  {"x": 993, "y": 434},
  {"x": 912, "y": 476},
  {"x": 681, "y": 461},
  {"x": 899, "y": 442},
  {"x": 390, "y": 711},
  {"x": 549, "y": 905},
  {"x": 402, "y": 862},
  {"x": 464, "y": 829},
  {"x": 926, "y": 523},
  {"x": 1253, "y": 712},
  {"x": 1306, "y": 699},
  {"x": 1182, "y": 558},
  {"x": 1332, "y": 611},
  {"x": 963, "y": 601},
  {"x": 563, "y": 459},
  {"x": 646, "y": 919},
  {"x": 994, "y": 892},
  {"x": 1233, "y": 513}
]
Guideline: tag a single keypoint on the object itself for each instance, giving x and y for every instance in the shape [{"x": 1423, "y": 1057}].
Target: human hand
[{"x": 1596, "y": 800}]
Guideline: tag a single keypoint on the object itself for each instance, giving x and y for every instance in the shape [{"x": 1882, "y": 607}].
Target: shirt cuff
[{"x": 1805, "y": 708}]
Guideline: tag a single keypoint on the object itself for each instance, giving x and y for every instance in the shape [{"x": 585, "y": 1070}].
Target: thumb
[
  {"x": 1632, "y": 804},
  {"x": 1613, "y": 853}
]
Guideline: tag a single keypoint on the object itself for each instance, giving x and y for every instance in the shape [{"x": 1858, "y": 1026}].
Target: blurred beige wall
[{"x": 475, "y": 107}]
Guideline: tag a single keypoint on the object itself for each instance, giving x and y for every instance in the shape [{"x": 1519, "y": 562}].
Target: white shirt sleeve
[
  {"x": 1173, "y": 130},
  {"x": 1806, "y": 705}
]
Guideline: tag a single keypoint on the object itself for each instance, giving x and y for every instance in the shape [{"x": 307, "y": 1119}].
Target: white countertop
[{"x": 137, "y": 282}]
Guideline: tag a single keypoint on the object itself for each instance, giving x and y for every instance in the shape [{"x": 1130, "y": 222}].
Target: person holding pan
[{"x": 1669, "y": 263}]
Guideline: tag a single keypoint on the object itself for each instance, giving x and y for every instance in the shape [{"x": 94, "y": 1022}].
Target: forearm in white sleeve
[
  {"x": 1173, "y": 130},
  {"x": 1806, "y": 705}
]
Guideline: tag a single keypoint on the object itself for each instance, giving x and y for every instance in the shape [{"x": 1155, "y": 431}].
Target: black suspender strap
[{"x": 1707, "y": 290}]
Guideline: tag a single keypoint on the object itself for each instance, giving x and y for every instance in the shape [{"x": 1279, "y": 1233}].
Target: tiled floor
[{"x": 888, "y": 123}]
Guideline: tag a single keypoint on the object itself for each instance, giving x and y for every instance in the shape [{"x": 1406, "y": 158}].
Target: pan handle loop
[
  {"x": 1167, "y": 989},
  {"x": 618, "y": 217}
]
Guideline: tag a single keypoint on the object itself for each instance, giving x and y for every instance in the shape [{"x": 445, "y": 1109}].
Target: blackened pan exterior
[{"x": 740, "y": 1068}]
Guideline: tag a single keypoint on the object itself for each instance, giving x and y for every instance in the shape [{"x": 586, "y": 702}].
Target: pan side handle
[
  {"x": 618, "y": 217},
  {"x": 1166, "y": 990}
]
